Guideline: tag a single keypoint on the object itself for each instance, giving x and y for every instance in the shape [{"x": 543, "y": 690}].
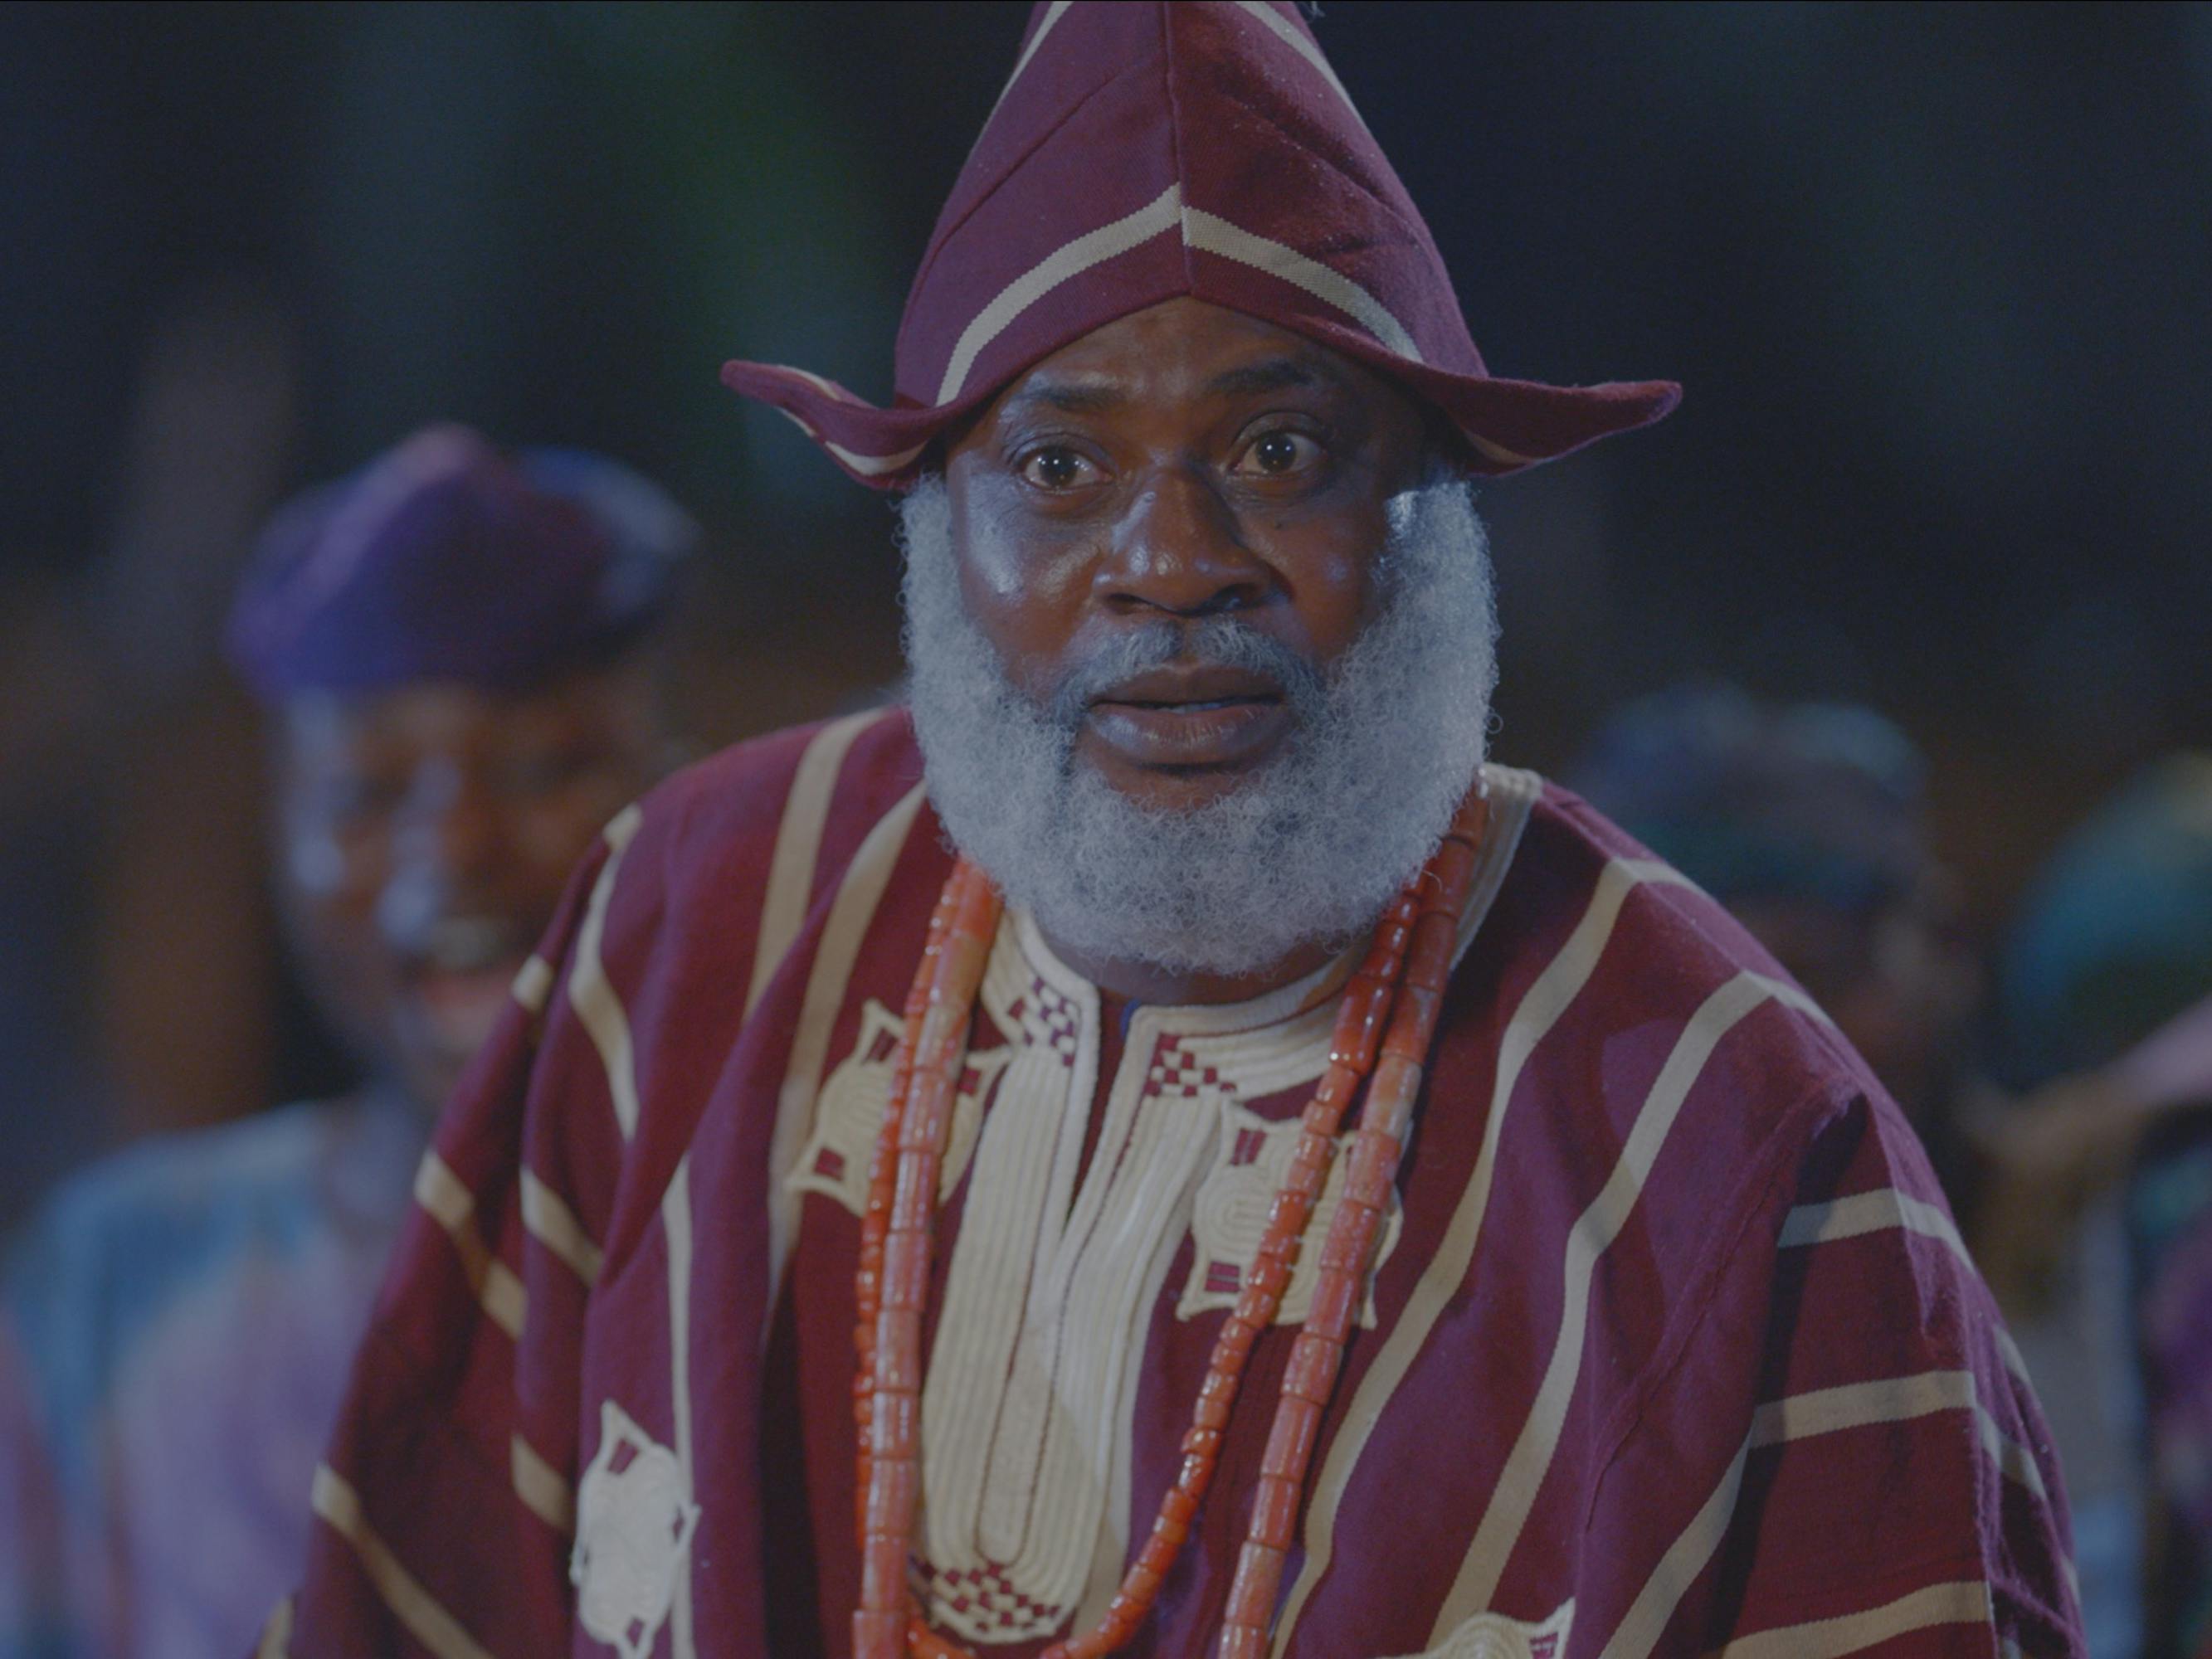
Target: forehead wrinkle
[
  {"x": 1091, "y": 395},
  {"x": 1100, "y": 392},
  {"x": 1269, "y": 374}
]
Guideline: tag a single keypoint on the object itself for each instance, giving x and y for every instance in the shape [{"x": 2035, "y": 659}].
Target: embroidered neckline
[{"x": 1193, "y": 1018}]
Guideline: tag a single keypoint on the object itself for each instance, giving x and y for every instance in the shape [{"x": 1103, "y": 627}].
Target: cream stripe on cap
[
  {"x": 1071, "y": 259},
  {"x": 1210, "y": 235}
]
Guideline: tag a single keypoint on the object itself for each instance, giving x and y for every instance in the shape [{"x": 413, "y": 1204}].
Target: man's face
[
  {"x": 1183, "y": 462},
  {"x": 427, "y": 835}
]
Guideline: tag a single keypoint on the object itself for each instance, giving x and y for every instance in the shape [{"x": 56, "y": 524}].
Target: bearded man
[{"x": 1165, "y": 1151}]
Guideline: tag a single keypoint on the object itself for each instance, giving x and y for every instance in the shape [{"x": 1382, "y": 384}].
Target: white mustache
[{"x": 1209, "y": 642}]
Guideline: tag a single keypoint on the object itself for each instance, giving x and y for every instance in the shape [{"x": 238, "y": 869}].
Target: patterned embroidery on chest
[
  {"x": 1027, "y": 1411},
  {"x": 1493, "y": 1635},
  {"x": 633, "y": 1524},
  {"x": 1231, "y": 1218},
  {"x": 849, "y": 1111},
  {"x": 1048, "y": 1019},
  {"x": 1178, "y": 1072},
  {"x": 982, "y": 1599}
]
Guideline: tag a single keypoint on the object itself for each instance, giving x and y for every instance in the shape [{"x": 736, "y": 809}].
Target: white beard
[{"x": 1384, "y": 745}]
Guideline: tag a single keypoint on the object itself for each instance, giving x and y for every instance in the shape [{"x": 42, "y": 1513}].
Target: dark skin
[
  {"x": 427, "y": 835},
  {"x": 1184, "y": 462}
]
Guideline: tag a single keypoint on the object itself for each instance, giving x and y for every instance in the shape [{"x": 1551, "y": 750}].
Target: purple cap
[{"x": 445, "y": 559}]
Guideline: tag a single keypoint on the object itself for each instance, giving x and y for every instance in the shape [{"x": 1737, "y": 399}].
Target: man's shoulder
[
  {"x": 1660, "y": 1009},
  {"x": 1574, "y": 843},
  {"x": 708, "y": 886},
  {"x": 1659, "y": 945},
  {"x": 816, "y": 788},
  {"x": 1676, "y": 1082}
]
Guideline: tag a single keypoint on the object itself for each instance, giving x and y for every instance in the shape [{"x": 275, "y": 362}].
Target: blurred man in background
[
  {"x": 2107, "y": 1019},
  {"x": 455, "y": 651}
]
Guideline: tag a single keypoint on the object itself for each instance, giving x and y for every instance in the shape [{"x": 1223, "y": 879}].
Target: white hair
[{"x": 1385, "y": 743}]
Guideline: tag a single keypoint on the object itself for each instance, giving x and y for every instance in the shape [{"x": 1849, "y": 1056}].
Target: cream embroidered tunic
[{"x": 1066, "y": 1244}]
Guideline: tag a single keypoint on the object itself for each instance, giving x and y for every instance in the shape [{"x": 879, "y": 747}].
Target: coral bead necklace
[{"x": 1384, "y": 1027}]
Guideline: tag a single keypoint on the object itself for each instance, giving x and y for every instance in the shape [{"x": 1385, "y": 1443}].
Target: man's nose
[
  {"x": 1178, "y": 548},
  {"x": 453, "y": 824}
]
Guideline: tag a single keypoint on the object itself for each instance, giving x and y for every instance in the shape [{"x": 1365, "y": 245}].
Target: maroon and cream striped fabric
[
  {"x": 1673, "y": 1350},
  {"x": 1144, "y": 151}
]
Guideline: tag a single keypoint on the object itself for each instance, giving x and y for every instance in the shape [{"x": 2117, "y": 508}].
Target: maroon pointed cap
[{"x": 1142, "y": 152}]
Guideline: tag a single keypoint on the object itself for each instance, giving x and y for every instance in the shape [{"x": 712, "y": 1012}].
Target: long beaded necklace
[{"x": 1384, "y": 1026}]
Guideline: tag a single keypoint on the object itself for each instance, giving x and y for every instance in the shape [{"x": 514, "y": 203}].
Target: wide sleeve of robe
[
  {"x": 444, "y": 1502},
  {"x": 446, "y": 1505},
  {"x": 1839, "y": 1451}
]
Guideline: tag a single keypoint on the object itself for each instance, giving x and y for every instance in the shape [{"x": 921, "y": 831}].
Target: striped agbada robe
[{"x": 1672, "y": 1347}]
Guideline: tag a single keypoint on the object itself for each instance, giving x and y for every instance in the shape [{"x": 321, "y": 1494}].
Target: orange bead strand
[
  {"x": 876, "y": 1212},
  {"x": 1384, "y": 1029},
  {"x": 1371, "y": 1176},
  {"x": 902, "y": 1204}
]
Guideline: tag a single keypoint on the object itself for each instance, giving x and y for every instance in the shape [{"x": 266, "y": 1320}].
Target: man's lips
[
  {"x": 462, "y": 944},
  {"x": 1191, "y": 715},
  {"x": 455, "y": 1009},
  {"x": 455, "y": 980}
]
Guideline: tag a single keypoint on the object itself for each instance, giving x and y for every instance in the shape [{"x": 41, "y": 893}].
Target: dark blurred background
[{"x": 1938, "y": 280}]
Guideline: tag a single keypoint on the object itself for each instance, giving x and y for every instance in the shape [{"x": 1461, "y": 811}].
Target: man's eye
[
  {"x": 1057, "y": 467},
  {"x": 1278, "y": 454}
]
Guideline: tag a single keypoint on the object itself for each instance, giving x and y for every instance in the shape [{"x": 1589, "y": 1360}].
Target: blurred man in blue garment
[
  {"x": 2107, "y": 998},
  {"x": 454, "y": 648}
]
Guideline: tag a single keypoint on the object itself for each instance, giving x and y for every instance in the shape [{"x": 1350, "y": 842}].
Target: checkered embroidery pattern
[
  {"x": 983, "y": 1603},
  {"x": 1049, "y": 1020},
  {"x": 1176, "y": 1071}
]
